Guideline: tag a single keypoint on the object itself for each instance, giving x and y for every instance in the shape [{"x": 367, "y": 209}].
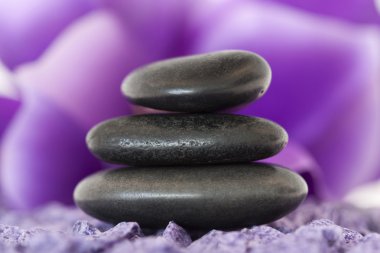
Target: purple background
[{"x": 62, "y": 63}]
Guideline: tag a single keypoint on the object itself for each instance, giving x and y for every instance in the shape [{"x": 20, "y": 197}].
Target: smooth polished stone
[
  {"x": 199, "y": 83},
  {"x": 199, "y": 197},
  {"x": 185, "y": 139}
]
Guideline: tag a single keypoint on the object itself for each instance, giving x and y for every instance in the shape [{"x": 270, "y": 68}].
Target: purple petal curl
[
  {"x": 82, "y": 71},
  {"x": 27, "y": 29},
  {"x": 73, "y": 86},
  {"x": 298, "y": 159},
  {"x": 9, "y": 101},
  {"x": 160, "y": 26},
  {"x": 43, "y": 155}
]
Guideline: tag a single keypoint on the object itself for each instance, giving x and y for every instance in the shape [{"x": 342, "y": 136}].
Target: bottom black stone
[{"x": 197, "y": 197}]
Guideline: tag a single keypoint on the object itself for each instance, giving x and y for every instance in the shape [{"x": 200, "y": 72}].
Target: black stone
[
  {"x": 199, "y": 83},
  {"x": 185, "y": 139},
  {"x": 197, "y": 197}
]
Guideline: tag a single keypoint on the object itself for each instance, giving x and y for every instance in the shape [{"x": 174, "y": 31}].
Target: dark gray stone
[
  {"x": 197, "y": 197},
  {"x": 199, "y": 83},
  {"x": 185, "y": 139}
]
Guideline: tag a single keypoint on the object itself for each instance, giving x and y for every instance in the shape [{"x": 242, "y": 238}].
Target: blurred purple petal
[
  {"x": 82, "y": 71},
  {"x": 297, "y": 158},
  {"x": 74, "y": 85},
  {"x": 8, "y": 108},
  {"x": 27, "y": 29},
  {"x": 9, "y": 102},
  {"x": 44, "y": 155},
  {"x": 160, "y": 26},
  {"x": 361, "y": 11},
  {"x": 325, "y": 86}
]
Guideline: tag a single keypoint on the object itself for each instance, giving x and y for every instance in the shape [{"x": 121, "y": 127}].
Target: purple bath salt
[
  {"x": 85, "y": 228},
  {"x": 314, "y": 227},
  {"x": 177, "y": 235}
]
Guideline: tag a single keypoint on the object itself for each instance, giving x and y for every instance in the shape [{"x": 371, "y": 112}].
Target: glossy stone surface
[
  {"x": 185, "y": 139},
  {"x": 198, "y": 197},
  {"x": 199, "y": 83}
]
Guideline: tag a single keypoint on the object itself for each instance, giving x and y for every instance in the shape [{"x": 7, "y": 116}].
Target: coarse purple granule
[
  {"x": 314, "y": 227},
  {"x": 85, "y": 228},
  {"x": 177, "y": 235}
]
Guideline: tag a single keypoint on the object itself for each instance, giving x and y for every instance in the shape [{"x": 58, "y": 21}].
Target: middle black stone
[{"x": 185, "y": 139}]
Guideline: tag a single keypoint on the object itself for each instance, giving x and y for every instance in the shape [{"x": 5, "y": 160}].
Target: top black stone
[{"x": 199, "y": 83}]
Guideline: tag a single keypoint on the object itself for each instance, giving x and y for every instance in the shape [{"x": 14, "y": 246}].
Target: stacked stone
[{"x": 193, "y": 167}]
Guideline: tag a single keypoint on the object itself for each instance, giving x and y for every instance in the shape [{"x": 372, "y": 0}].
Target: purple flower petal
[
  {"x": 361, "y": 11},
  {"x": 82, "y": 71},
  {"x": 325, "y": 86},
  {"x": 8, "y": 108},
  {"x": 43, "y": 154},
  {"x": 26, "y": 30},
  {"x": 9, "y": 102},
  {"x": 160, "y": 26},
  {"x": 297, "y": 158}
]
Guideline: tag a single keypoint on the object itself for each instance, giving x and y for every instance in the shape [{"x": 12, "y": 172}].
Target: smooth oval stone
[
  {"x": 199, "y": 197},
  {"x": 199, "y": 83},
  {"x": 185, "y": 139}
]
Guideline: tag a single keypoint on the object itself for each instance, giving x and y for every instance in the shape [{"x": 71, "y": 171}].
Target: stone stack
[{"x": 193, "y": 167}]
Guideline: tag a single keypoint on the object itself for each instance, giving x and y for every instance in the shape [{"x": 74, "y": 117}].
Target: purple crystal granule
[{"x": 314, "y": 227}]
